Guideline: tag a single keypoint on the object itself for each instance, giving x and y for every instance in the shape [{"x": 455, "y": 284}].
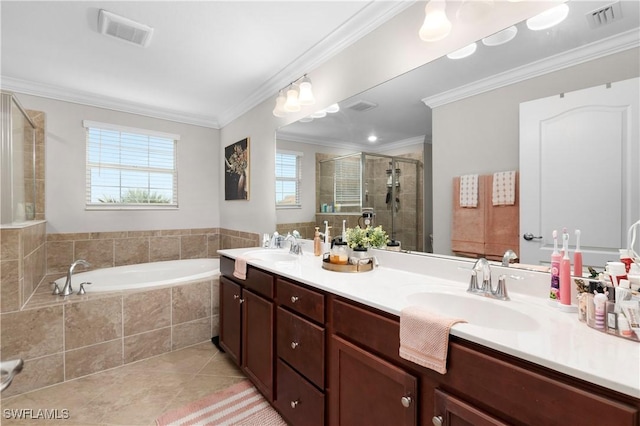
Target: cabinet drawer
[
  {"x": 302, "y": 300},
  {"x": 297, "y": 400},
  {"x": 259, "y": 281},
  {"x": 301, "y": 344}
]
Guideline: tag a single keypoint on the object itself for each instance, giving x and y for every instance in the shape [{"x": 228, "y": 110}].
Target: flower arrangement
[
  {"x": 367, "y": 237},
  {"x": 237, "y": 162}
]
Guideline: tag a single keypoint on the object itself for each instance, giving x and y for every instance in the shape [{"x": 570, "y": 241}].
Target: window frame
[
  {"x": 297, "y": 179},
  {"x": 145, "y": 133}
]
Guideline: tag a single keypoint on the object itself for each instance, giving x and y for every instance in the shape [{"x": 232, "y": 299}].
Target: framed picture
[{"x": 236, "y": 176}]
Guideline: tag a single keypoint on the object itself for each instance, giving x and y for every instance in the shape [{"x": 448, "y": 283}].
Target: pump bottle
[{"x": 317, "y": 243}]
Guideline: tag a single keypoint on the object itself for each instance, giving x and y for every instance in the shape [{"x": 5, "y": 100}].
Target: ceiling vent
[
  {"x": 361, "y": 106},
  {"x": 124, "y": 29},
  {"x": 604, "y": 15}
]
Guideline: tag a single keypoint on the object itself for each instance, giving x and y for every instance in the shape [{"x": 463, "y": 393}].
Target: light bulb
[
  {"x": 292, "y": 104},
  {"x": 548, "y": 18},
  {"x": 372, "y": 138},
  {"x": 306, "y": 94},
  {"x": 436, "y": 25},
  {"x": 279, "y": 111}
]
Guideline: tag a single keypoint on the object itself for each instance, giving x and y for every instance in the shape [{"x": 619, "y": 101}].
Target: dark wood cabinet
[
  {"x": 231, "y": 318},
  {"x": 368, "y": 390},
  {"x": 258, "y": 341},
  {"x": 451, "y": 411}
]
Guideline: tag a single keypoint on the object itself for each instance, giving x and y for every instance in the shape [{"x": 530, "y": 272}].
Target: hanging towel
[
  {"x": 469, "y": 191},
  {"x": 424, "y": 337},
  {"x": 240, "y": 268},
  {"x": 504, "y": 188}
]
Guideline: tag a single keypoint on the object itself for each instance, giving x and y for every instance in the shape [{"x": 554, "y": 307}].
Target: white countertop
[{"x": 556, "y": 340}]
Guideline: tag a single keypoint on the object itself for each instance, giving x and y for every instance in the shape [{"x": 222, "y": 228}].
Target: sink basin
[
  {"x": 271, "y": 256},
  {"x": 475, "y": 309}
]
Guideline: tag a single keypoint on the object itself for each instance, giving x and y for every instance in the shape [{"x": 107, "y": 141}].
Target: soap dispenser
[{"x": 317, "y": 243}]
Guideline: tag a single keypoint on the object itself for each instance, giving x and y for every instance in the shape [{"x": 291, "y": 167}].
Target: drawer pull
[
  {"x": 294, "y": 403},
  {"x": 294, "y": 299},
  {"x": 236, "y": 297},
  {"x": 406, "y": 401},
  {"x": 294, "y": 345},
  {"x": 437, "y": 421}
]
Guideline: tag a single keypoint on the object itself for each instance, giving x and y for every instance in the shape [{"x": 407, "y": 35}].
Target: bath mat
[{"x": 240, "y": 404}]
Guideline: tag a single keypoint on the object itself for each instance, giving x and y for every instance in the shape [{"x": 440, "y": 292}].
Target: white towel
[
  {"x": 469, "y": 191},
  {"x": 504, "y": 188}
]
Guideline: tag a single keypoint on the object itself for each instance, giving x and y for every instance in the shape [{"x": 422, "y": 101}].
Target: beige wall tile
[
  {"x": 138, "y": 234},
  {"x": 215, "y": 325},
  {"x": 68, "y": 236},
  {"x": 190, "y": 333},
  {"x": 215, "y": 296},
  {"x": 59, "y": 256},
  {"x": 191, "y": 302},
  {"x": 37, "y": 373},
  {"x": 91, "y": 359},
  {"x": 93, "y": 321},
  {"x": 145, "y": 345},
  {"x": 213, "y": 245},
  {"x": 32, "y": 333},
  {"x": 107, "y": 235},
  {"x": 164, "y": 248},
  {"x": 193, "y": 246},
  {"x": 9, "y": 285},
  {"x": 97, "y": 252},
  {"x": 146, "y": 311},
  {"x": 130, "y": 251},
  {"x": 10, "y": 244},
  {"x": 175, "y": 232}
]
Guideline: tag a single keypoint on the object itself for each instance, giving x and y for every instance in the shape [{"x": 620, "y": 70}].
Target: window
[
  {"x": 347, "y": 188},
  {"x": 288, "y": 179},
  {"x": 130, "y": 168}
]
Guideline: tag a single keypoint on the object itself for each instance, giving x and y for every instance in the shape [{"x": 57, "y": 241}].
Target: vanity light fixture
[
  {"x": 501, "y": 37},
  {"x": 436, "y": 25},
  {"x": 296, "y": 97},
  {"x": 468, "y": 50},
  {"x": 548, "y": 18}
]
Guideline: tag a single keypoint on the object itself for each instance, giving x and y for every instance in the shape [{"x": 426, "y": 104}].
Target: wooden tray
[{"x": 362, "y": 267}]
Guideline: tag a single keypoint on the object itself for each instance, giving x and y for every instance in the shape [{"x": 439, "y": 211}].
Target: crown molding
[
  {"x": 595, "y": 50},
  {"x": 91, "y": 99},
  {"x": 390, "y": 146}
]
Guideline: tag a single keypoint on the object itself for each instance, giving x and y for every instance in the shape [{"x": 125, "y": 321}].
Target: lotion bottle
[
  {"x": 565, "y": 272},
  {"x": 556, "y": 257},
  {"x": 577, "y": 257},
  {"x": 317, "y": 243}
]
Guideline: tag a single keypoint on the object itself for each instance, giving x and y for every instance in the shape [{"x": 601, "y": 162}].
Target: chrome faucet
[
  {"x": 276, "y": 240},
  {"x": 296, "y": 247},
  {"x": 509, "y": 257},
  {"x": 67, "y": 290},
  {"x": 482, "y": 267}
]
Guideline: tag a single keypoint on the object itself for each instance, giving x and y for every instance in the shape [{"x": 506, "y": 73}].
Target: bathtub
[{"x": 145, "y": 275}]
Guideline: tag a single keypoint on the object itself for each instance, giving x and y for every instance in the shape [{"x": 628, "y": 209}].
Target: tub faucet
[{"x": 67, "y": 290}]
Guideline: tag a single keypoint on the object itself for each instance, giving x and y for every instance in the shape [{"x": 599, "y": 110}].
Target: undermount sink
[
  {"x": 271, "y": 255},
  {"x": 475, "y": 309}
]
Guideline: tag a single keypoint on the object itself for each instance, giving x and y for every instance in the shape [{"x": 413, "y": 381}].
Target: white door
[{"x": 579, "y": 168}]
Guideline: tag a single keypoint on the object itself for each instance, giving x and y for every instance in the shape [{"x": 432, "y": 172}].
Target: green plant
[
  {"x": 136, "y": 196},
  {"x": 367, "y": 237}
]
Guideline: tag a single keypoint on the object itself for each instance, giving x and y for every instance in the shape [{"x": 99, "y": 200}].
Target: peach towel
[
  {"x": 424, "y": 337},
  {"x": 469, "y": 191},
  {"x": 240, "y": 268},
  {"x": 504, "y": 188}
]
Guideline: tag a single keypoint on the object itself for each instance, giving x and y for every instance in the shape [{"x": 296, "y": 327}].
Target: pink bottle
[
  {"x": 577, "y": 257},
  {"x": 565, "y": 272}
]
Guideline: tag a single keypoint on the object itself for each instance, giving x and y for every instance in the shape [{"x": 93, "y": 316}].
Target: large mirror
[{"x": 449, "y": 118}]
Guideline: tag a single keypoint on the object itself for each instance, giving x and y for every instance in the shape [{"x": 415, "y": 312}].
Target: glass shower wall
[{"x": 17, "y": 157}]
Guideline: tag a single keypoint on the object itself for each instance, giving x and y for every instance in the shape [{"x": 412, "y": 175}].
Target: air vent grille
[
  {"x": 361, "y": 106},
  {"x": 604, "y": 15},
  {"x": 124, "y": 29}
]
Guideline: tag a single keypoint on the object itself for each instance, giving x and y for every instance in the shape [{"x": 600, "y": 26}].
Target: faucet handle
[
  {"x": 501, "y": 290},
  {"x": 473, "y": 282},
  {"x": 82, "y": 291},
  {"x": 56, "y": 288}
]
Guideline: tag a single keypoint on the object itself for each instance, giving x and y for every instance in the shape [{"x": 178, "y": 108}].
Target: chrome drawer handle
[
  {"x": 294, "y": 403},
  {"x": 294, "y": 299},
  {"x": 437, "y": 421},
  {"x": 294, "y": 345},
  {"x": 406, "y": 401},
  {"x": 236, "y": 297}
]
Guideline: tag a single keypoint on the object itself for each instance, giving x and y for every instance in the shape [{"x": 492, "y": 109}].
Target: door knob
[
  {"x": 437, "y": 421},
  {"x": 406, "y": 401},
  {"x": 529, "y": 236}
]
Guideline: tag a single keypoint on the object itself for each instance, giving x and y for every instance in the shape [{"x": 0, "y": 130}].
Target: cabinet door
[
  {"x": 230, "y": 318},
  {"x": 367, "y": 390},
  {"x": 258, "y": 342},
  {"x": 451, "y": 411}
]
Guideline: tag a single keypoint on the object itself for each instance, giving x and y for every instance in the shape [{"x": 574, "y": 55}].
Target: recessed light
[
  {"x": 319, "y": 114},
  {"x": 501, "y": 37},
  {"x": 548, "y": 18},
  {"x": 372, "y": 138},
  {"x": 306, "y": 119},
  {"x": 464, "y": 52},
  {"x": 332, "y": 109}
]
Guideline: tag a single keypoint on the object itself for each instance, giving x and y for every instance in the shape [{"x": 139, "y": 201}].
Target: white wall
[
  {"x": 488, "y": 140},
  {"x": 390, "y": 50},
  {"x": 65, "y": 154}
]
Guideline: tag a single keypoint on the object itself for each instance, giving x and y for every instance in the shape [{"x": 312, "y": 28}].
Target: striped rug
[{"x": 240, "y": 404}]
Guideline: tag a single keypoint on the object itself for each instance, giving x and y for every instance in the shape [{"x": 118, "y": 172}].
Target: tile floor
[{"x": 134, "y": 394}]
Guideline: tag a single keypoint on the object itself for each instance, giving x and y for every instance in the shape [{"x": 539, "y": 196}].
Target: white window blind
[
  {"x": 288, "y": 179},
  {"x": 347, "y": 187},
  {"x": 130, "y": 168}
]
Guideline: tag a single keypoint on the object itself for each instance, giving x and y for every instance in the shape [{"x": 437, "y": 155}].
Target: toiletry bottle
[
  {"x": 577, "y": 257},
  {"x": 554, "y": 293},
  {"x": 565, "y": 272},
  {"x": 317, "y": 244}
]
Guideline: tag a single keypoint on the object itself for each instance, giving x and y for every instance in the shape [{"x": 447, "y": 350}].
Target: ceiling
[
  {"x": 208, "y": 61},
  {"x": 401, "y": 115}
]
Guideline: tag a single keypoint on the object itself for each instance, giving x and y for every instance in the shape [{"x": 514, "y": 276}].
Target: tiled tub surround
[{"x": 67, "y": 339}]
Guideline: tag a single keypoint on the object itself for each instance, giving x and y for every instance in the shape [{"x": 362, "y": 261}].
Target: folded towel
[
  {"x": 424, "y": 337},
  {"x": 240, "y": 268},
  {"x": 504, "y": 188},
  {"x": 469, "y": 191}
]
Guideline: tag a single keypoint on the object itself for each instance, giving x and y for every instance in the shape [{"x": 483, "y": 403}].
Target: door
[
  {"x": 230, "y": 318},
  {"x": 579, "y": 159},
  {"x": 451, "y": 411},
  {"x": 258, "y": 342}
]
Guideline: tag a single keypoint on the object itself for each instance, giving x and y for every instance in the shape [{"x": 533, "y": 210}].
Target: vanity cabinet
[{"x": 247, "y": 313}]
